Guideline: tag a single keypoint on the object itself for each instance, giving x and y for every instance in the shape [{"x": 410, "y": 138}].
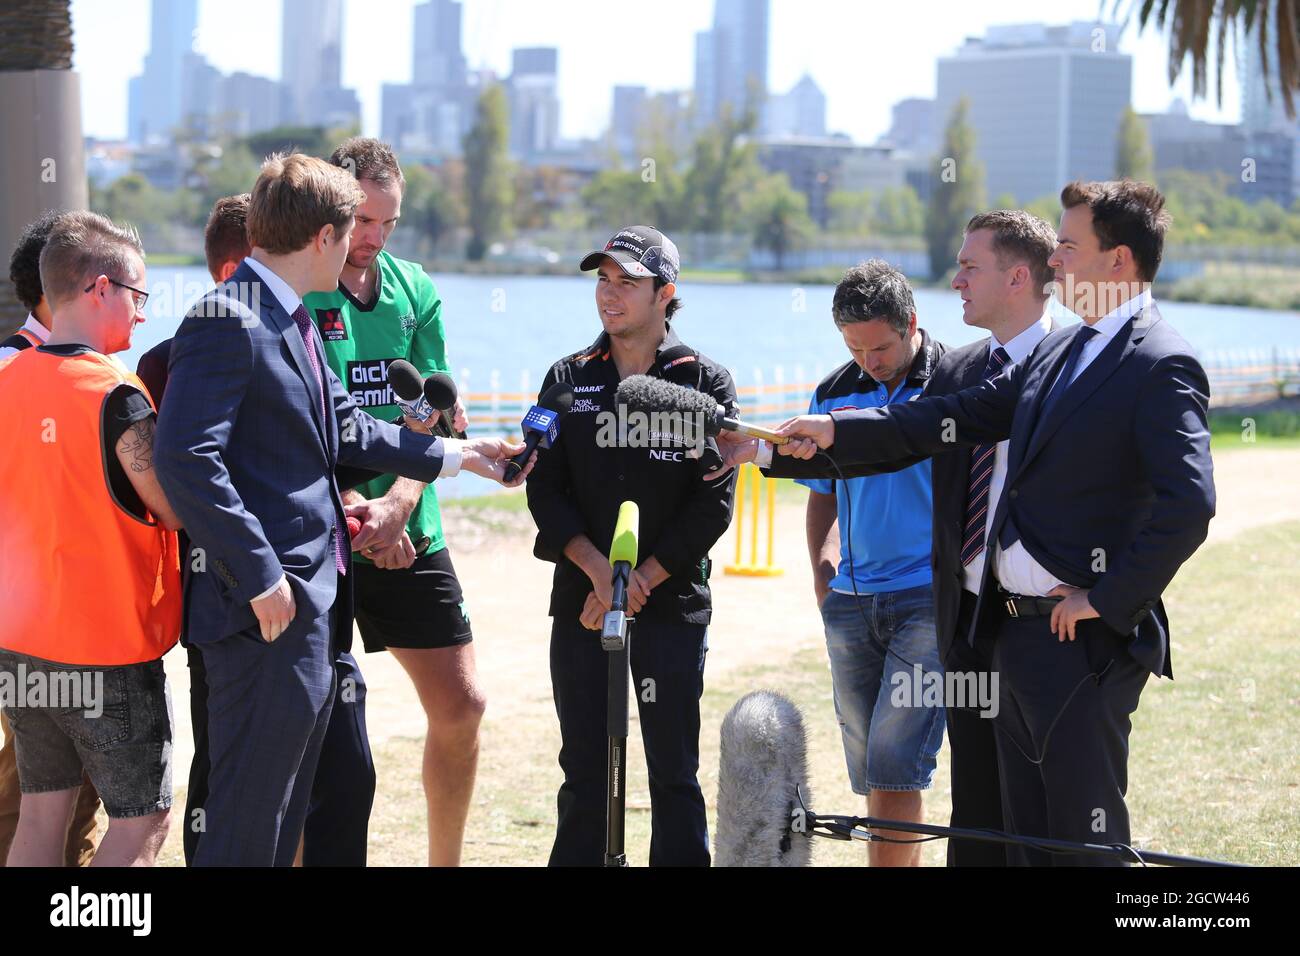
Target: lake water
[{"x": 506, "y": 331}]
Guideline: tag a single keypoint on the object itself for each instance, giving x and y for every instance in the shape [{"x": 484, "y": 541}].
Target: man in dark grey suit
[
  {"x": 1109, "y": 489},
  {"x": 254, "y": 425}
]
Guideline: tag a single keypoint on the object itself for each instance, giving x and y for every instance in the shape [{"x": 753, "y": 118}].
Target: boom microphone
[
  {"x": 645, "y": 394},
  {"x": 541, "y": 425},
  {"x": 762, "y": 770}
]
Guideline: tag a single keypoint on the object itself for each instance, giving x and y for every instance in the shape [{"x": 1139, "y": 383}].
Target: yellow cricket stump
[{"x": 751, "y": 476}]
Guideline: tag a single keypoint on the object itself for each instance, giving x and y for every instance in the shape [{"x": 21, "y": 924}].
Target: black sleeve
[
  {"x": 124, "y": 406},
  {"x": 549, "y": 488},
  {"x": 152, "y": 370},
  {"x": 706, "y": 514}
]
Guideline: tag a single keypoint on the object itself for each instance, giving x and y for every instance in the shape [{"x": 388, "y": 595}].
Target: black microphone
[
  {"x": 762, "y": 773},
  {"x": 541, "y": 425},
  {"x": 440, "y": 392},
  {"x": 642, "y": 393},
  {"x": 408, "y": 387}
]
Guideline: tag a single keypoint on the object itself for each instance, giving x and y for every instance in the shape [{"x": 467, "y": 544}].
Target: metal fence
[{"x": 771, "y": 395}]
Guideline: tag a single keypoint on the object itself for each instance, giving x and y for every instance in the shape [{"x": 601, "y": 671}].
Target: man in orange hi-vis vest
[{"x": 90, "y": 572}]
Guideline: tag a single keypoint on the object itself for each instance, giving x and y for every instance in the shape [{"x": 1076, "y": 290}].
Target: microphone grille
[
  {"x": 440, "y": 390},
  {"x": 406, "y": 381},
  {"x": 642, "y": 393}
]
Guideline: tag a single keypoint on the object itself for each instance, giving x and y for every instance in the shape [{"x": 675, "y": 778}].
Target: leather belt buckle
[{"x": 1011, "y": 607}]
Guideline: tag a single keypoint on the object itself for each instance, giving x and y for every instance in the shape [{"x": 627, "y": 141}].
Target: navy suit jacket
[
  {"x": 248, "y": 463},
  {"x": 1112, "y": 490}
]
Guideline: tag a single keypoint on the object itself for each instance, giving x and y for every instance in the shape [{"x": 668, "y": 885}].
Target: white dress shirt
[
  {"x": 32, "y": 325},
  {"x": 1017, "y": 571},
  {"x": 1017, "y": 350},
  {"x": 290, "y": 301}
]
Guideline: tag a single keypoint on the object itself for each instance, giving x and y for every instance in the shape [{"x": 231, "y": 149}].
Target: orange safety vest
[{"x": 83, "y": 581}]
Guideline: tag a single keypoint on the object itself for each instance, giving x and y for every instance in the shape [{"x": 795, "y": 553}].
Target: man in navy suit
[
  {"x": 1108, "y": 490},
  {"x": 254, "y": 425}
]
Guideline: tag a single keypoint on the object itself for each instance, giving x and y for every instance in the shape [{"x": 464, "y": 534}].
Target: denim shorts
[
  {"x": 113, "y": 723},
  {"x": 891, "y": 735}
]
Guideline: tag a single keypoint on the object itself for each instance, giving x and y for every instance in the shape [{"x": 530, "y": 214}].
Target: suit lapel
[{"x": 280, "y": 321}]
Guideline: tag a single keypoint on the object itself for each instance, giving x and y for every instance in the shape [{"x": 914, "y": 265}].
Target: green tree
[
  {"x": 428, "y": 210},
  {"x": 779, "y": 216},
  {"x": 898, "y": 211},
  {"x": 488, "y": 188},
  {"x": 851, "y": 213},
  {"x": 958, "y": 191},
  {"x": 1133, "y": 158},
  {"x": 724, "y": 168}
]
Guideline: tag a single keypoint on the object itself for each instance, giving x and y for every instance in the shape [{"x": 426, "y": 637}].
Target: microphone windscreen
[
  {"x": 406, "y": 381},
  {"x": 642, "y": 393},
  {"x": 623, "y": 547},
  {"x": 763, "y": 762},
  {"x": 440, "y": 390},
  {"x": 558, "y": 398}
]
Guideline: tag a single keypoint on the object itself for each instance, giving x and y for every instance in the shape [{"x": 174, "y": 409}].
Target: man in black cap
[{"x": 574, "y": 495}]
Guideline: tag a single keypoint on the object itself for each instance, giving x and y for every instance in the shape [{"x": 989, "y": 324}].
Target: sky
[{"x": 864, "y": 56}]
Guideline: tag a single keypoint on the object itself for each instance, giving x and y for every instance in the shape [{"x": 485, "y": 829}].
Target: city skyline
[{"x": 593, "y": 59}]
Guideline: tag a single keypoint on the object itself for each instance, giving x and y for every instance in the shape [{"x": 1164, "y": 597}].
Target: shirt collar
[
  {"x": 34, "y": 326},
  {"x": 285, "y": 295},
  {"x": 1113, "y": 321},
  {"x": 600, "y": 347},
  {"x": 1023, "y": 343}
]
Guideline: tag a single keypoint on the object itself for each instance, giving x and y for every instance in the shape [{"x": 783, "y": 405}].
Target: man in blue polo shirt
[{"x": 891, "y": 733}]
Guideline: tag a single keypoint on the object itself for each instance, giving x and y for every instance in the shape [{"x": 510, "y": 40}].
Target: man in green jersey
[{"x": 408, "y": 600}]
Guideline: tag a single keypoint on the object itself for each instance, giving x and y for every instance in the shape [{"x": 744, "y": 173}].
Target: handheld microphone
[
  {"x": 762, "y": 770},
  {"x": 440, "y": 393},
  {"x": 541, "y": 425},
  {"x": 622, "y": 558},
  {"x": 645, "y": 394},
  {"x": 408, "y": 388}
]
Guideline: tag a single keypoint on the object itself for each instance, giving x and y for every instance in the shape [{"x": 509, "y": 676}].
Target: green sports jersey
[{"x": 404, "y": 322}]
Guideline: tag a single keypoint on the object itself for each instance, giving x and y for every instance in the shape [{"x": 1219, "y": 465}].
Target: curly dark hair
[
  {"x": 25, "y": 263},
  {"x": 873, "y": 290}
]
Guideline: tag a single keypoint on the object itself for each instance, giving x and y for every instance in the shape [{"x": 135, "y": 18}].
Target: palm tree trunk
[{"x": 41, "y": 148}]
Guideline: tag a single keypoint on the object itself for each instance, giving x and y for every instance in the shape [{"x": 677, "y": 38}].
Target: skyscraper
[
  {"x": 311, "y": 64},
  {"x": 731, "y": 60},
  {"x": 154, "y": 98},
  {"x": 800, "y": 112},
  {"x": 1045, "y": 103},
  {"x": 431, "y": 114},
  {"x": 534, "y": 101}
]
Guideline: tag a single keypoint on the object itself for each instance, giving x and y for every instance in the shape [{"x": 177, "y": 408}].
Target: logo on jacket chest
[{"x": 331, "y": 324}]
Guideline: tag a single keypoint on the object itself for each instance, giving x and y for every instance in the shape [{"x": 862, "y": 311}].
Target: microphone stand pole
[{"x": 617, "y": 642}]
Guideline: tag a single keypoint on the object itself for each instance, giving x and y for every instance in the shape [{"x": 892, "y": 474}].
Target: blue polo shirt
[{"x": 891, "y": 519}]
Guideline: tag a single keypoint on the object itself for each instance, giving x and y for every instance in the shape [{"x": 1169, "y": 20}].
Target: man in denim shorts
[{"x": 891, "y": 732}]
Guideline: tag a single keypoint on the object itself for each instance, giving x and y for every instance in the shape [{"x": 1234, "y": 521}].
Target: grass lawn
[{"x": 1215, "y": 766}]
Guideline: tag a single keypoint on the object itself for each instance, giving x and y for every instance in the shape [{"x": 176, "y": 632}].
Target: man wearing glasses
[{"x": 94, "y": 621}]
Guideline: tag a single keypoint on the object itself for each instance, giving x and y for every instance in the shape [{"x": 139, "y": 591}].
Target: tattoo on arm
[{"x": 136, "y": 444}]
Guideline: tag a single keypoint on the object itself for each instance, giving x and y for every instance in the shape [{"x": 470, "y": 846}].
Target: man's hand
[
  {"x": 736, "y": 449},
  {"x": 383, "y": 523},
  {"x": 275, "y": 611},
  {"x": 400, "y": 555},
  {"x": 1073, "y": 608},
  {"x": 593, "y": 613},
  {"x": 460, "y": 417},
  {"x": 489, "y": 456},
  {"x": 808, "y": 433}
]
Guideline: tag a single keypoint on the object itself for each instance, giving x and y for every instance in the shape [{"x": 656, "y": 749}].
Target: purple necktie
[
  {"x": 304, "y": 327},
  {"x": 981, "y": 476}
]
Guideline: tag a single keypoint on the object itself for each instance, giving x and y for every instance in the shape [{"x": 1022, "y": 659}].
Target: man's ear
[
  {"x": 227, "y": 270},
  {"x": 911, "y": 326},
  {"x": 324, "y": 237},
  {"x": 667, "y": 292}
]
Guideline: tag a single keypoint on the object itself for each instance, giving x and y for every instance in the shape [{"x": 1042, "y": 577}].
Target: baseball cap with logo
[{"x": 641, "y": 252}]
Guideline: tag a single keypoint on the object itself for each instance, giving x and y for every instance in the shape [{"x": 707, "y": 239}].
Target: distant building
[
  {"x": 534, "y": 102},
  {"x": 1045, "y": 103},
  {"x": 430, "y": 116},
  {"x": 626, "y": 117},
  {"x": 1254, "y": 165},
  {"x": 731, "y": 60},
  {"x": 913, "y": 127},
  {"x": 818, "y": 167},
  {"x": 1263, "y": 111},
  {"x": 248, "y": 104},
  {"x": 800, "y": 112},
  {"x": 154, "y": 98},
  {"x": 311, "y": 60}
]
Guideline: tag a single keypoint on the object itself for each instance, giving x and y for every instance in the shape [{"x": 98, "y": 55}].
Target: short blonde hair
[
  {"x": 294, "y": 198},
  {"x": 81, "y": 247}
]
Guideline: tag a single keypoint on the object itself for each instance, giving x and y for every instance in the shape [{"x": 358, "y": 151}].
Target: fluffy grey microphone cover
[{"x": 764, "y": 757}]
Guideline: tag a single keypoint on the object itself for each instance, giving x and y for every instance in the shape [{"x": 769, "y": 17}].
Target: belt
[{"x": 1019, "y": 605}]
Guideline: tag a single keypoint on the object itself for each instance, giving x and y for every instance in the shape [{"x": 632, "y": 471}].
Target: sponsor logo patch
[
  {"x": 332, "y": 326},
  {"x": 368, "y": 383}
]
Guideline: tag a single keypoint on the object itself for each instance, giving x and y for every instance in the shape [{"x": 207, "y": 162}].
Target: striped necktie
[{"x": 981, "y": 475}]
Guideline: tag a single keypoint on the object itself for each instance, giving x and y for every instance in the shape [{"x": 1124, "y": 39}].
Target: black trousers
[
  {"x": 670, "y": 657},
  {"x": 1071, "y": 785},
  {"x": 972, "y": 747}
]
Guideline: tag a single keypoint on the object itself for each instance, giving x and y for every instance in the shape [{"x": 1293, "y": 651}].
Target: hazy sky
[{"x": 864, "y": 55}]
